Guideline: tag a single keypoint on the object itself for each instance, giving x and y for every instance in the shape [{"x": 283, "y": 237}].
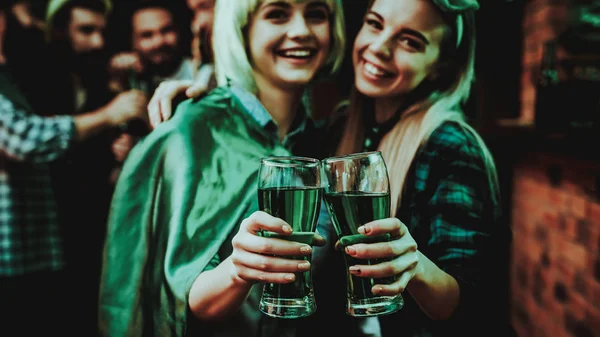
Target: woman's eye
[
  {"x": 276, "y": 15},
  {"x": 373, "y": 23},
  {"x": 411, "y": 43},
  {"x": 317, "y": 15}
]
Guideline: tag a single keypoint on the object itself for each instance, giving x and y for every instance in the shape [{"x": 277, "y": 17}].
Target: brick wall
[{"x": 555, "y": 271}]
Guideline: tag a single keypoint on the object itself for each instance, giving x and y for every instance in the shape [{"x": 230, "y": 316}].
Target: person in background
[
  {"x": 156, "y": 54},
  {"x": 84, "y": 177},
  {"x": 202, "y": 57},
  {"x": 36, "y": 291}
]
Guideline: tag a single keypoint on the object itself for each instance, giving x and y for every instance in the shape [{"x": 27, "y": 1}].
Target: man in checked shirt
[{"x": 33, "y": 286}]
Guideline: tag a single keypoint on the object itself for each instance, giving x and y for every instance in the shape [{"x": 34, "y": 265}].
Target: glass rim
[
  {"x": 353, "y": 156},
  {"x": 290, "y": 161}
]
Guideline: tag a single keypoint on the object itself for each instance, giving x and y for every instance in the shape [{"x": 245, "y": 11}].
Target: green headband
[{"x": 458, "y": 7}]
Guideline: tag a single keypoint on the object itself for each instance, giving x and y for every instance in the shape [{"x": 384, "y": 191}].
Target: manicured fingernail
[
  {"x": 350, "y": 250},
  {"x": 290, "y": 277},
  {"x": 304, "y": 266},
  {"x": 364, "y": 229},
  {"x": 377, "y": 290},
  {"x": 286, "y": 228},
  {"x": 305, "y": 249},
  {"x": 354, "y": 270}
]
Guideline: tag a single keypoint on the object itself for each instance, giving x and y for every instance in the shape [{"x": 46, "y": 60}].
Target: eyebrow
[
  {"x": 280, "y": 4},
  {"x": 285, "y": 4},
  {"x": 317, "y": 4},
  {"x": 408, "y": 31}
]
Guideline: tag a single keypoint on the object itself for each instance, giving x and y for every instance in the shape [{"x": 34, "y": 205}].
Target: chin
[
  {"x": 297, "y": 80},
  {"x": 369, "y": 90}
]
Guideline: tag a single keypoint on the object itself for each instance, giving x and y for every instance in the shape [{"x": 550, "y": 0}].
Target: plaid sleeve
[
  {"x": 462, "y": 215},
  {"x": 27, "y": 137},
  {"x": 461, "y": 210}
]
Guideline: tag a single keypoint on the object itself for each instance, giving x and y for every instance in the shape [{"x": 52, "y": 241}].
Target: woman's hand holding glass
[
  {"x": 262, "y": 259},
  {"x": 400, "y": 252}
]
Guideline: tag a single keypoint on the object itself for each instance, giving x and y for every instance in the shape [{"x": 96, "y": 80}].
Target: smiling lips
[
  {"x": 375, "y": 72},
  {"x": 297, "y": 53}
]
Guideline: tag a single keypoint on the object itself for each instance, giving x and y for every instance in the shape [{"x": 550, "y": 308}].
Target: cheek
[
  {"x": 256, "y": 50},
  {"x": 143, "y": 45},
  {"x": 171, "y": 39},
  {"x": 80, "y": 42},
  {"x": 360, "y": 43},
  {"x": 324, "y": 36}
]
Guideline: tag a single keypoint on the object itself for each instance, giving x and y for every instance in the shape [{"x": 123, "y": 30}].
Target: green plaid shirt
[{"x": 449, "y": 208}]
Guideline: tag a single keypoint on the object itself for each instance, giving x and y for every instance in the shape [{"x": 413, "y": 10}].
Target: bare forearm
[
  {"x": 91, "y": 123},
  {"x": 436, "y": 291},
  {"x": 217, "y": 293}
]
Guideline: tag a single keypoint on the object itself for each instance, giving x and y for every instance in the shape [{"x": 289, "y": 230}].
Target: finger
[
  {"x": 165, "y": 109},
  {"x": 260, "y": 220},
  {"x": 395, "y": 288},
  {"x": 390, "y": 268},
  {"x": 269, "y": 245},
  {"x": 318, "y": 241},
  {"x": 337, "y": 245},
  {"x": 391, "y": 226},
  {"x": 272, "y": 264},
  {"x": 250, "y": 274},
  {"x": 137, "y": 65},
  {"x": 196, "y": 90},
  {"x": 174, "y": 88},
  {"x": 391, "y": 248},
  {"x": 154, "y": 113}
]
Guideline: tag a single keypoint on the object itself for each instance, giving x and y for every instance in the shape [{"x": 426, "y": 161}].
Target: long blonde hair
[{"x": 400, "y": 145}]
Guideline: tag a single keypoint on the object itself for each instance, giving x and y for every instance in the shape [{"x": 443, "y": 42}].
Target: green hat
[{"x": 54, "y": 6}]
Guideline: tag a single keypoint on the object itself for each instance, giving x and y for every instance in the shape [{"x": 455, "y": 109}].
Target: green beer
[
  {"x": 299, "y": 207},
  {"x": 350, "y": 210}
]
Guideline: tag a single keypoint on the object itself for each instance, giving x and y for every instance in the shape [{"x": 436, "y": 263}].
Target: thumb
[{"x": 195, "y": 90}]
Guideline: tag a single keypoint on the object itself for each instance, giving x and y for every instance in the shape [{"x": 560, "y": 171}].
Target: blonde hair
[
  {"x": 230, "y": 40},
  {"x": 400, "y": 145}
]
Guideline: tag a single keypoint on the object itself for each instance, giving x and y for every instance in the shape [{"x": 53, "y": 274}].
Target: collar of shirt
[{"x": 258, "y": 112}]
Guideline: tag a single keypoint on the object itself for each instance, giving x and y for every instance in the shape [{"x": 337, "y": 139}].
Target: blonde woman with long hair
[
  {"x": 413, "y": 62},
  {"x": 189, "y": 188}
]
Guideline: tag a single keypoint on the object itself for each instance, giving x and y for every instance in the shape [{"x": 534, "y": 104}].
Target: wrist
[
  {"x": 108, "y": 117},
  {"x": 421, "y": 270}
]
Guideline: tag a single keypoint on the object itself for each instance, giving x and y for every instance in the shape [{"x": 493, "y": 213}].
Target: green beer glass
[
  {"x": 357, "y": 191},
  {"x": 290, "y": 188}
]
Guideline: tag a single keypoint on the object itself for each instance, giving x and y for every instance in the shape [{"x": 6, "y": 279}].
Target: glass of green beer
[
  {"x": 357, "y": 191},
  {"x": 290, "y": 188}
]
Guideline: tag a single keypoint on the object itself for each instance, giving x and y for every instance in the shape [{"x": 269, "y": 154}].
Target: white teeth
[
  {"x": 297, "y": 53},
  {"x": 373, "y": 70}
]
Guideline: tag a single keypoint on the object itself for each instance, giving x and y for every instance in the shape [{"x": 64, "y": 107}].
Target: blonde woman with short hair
[{"x": 189, "y": 188}]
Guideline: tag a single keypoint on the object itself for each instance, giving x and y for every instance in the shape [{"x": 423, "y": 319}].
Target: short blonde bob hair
[{"x": 232, "y": 65}]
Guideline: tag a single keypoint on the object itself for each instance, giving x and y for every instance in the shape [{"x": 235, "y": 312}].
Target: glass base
[
  {"x": 376, "y": 306},
  {"x": 288, "y": 307}
]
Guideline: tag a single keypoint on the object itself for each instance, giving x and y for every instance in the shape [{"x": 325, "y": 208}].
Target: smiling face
[
  {"x": 397, "y": 47},
  {"x": 289, "y": 41},
  {"x": 86, "y": 31},
  {"x": 156, "y": 40}
]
